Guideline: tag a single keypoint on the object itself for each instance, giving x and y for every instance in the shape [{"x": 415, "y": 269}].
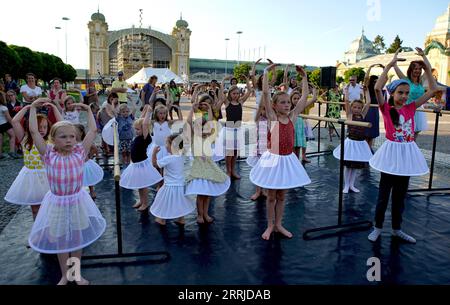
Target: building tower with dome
[
  {"x": 129, "y": 50},
  {"x": 437, "y": 48}
]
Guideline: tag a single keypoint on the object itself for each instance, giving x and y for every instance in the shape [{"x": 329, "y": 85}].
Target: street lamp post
[
  {"x": 226, "y": 55},
  {"x": 66, "y": 19},
  {"x": 239, "y": 45},
  {"x": 57, "y": 40}
]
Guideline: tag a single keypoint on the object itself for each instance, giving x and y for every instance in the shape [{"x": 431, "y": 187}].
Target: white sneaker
[
  {"x": 345, "y": 190},
  {"x": 402, "y": 235},
  {"x": 374, "y": 235}
]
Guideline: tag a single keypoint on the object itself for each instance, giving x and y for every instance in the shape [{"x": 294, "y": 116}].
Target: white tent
[{"x": 164, "y": 76}]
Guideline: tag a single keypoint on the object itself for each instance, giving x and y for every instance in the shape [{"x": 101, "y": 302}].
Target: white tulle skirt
[
  {"x": 401, "y": 159},
  {"x": 207, "y": 188},
  {"x": 170, "y": 203},
  {"x": 139, "y": 175},
  {"x": 66, "y": 223},
  {"x": 252, "y": 160},
  {"x": 354, "y": 151},
  {"x": 108, "y": 132},
  {"x": 278, "y": 172},
  {"x": 161, "y": 154},
  {"x": 29, "y": 187},
  {"x": 92, "y": 173}
]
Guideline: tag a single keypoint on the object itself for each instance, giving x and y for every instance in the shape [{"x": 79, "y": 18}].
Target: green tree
[
  {"x": 49, "y": 71},
  {"x": 359, "y": 72},
  {"x": 242, "y": 70},
  {"x": 31, "y": 61},
  {"x": 397, "y": 44},
  {"x": 339, "y": 80},
  {"x": 314, "y": 76},
  {"x": 69, "y": 74},
  {"x": 379, "y": 44},
  {"x": 11, "y": 62}
]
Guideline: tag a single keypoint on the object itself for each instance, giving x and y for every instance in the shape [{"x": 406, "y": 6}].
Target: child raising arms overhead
[
  {"x": 356, "y": 149},
  {"x": 68, "y": 219},
  {"x": 399, "y": 157},
  {"x": 279, "y": 169}
]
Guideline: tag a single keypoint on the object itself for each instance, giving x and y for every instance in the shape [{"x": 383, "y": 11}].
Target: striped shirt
[{"x": 65, "y": 173}]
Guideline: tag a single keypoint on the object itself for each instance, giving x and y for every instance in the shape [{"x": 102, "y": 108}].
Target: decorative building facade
[
  {"x": 436, "y": 47},
  {"x": 129, "y": 50}
]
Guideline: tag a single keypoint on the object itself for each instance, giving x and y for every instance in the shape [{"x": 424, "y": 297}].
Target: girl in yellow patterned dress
[
  {"x": 31, "y": 184},
  {"x": 205, "y": 179}
]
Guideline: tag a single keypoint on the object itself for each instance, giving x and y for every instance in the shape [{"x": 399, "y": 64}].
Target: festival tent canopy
[{"x": 164, "y": 76}]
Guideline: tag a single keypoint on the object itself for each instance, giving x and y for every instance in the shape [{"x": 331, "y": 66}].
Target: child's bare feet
[
  {"x": 63, "y": 281},
  {"x": 280, "y": 229},
  {"x": 200, "y": 220},
  {"x": 209, "y": 219},
  {"x": 160, "y": 221},
  {"x": 235, "y": 176},
  {"x": 180, "y": 221},
  {"x": 267, "y": 233},
  {"x": 306, "y": 160},
  {"x": 137, "y": 204},
  {"x": 82, "y": 282},
  {"x": 142, "y": 208},
  {"x": 255, "y": 196},
  {"x": 264, "y": 192}
]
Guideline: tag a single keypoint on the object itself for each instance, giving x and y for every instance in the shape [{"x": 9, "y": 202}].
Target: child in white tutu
[
  {"x": 161, "y": 127},
  {"x": 68, "y": 219},
  {"x": 31, "y": 185},
  {"x": 92, "y": 172},
  {"x": 232, "y": 135},
  {"x": 205, "y": 179},
  {"x": 399, "y": 157},
  {"x": 356, "y": 149},
  {"x": 279, "y": 169},
  {"x": 140, "y": 174},
  {"x": 170, "y": 201}
]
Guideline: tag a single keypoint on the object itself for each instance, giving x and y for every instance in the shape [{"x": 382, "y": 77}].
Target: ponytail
[{"x": 393, "y": 112}]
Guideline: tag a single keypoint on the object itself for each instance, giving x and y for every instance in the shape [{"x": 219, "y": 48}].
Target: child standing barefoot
[
  {"x": 279, "y": 169},
  {"x": 205, "y": 179},
  {"x": 170, "y": 201},
  {"x": 140, "y": 174},
  {"x": 68, "y": 219}
]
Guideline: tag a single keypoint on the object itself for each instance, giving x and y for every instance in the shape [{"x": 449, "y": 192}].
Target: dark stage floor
[{"x": 231, "y": 250}]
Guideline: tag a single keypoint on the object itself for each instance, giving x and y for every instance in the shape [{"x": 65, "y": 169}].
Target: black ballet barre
[
  {"x": 434, "y": 191},
  {"x": 340, "y": 227},
  {"x": 165, "y": 256}
]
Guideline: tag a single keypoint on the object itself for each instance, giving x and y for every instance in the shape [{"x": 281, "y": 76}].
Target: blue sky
[{"x": 304, "y": 32}]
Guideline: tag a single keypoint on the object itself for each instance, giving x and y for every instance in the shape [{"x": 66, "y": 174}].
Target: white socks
[
  {"x": 373, "y": 236},
  {"x": 353, "y": 175},
  {"x": 349, "y": 180},
  {"x": 347, "y": 177},
  {"x": 402, "y": 235}
]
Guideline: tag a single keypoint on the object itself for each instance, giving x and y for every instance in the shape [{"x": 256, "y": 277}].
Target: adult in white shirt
[
  {"x": 30, "y": 91},
  {"x": 353, "y": 91}
]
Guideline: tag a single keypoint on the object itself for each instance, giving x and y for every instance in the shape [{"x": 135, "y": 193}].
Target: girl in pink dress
[{"x": 68, "y": 219}]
